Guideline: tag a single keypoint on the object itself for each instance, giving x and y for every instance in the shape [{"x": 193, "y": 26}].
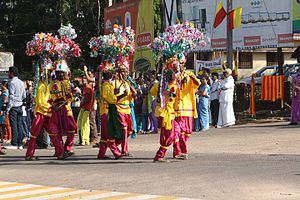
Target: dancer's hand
[{"x": 116, "y": 91}]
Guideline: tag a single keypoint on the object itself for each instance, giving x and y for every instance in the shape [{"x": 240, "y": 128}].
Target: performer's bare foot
[
  {"x": 2, "y": 152},
  {"x": 33, "y": 158}
]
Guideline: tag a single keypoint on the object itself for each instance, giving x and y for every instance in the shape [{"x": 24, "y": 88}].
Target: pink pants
[
  {"x": 167, "y": 138},
  {"x": 183, "y": 134},
  {"x": 39, "y": 123},
  {"x": 66, "y": 125},
  {"x": 126, "y": 121},
  {"x": 106, "y": 141}
]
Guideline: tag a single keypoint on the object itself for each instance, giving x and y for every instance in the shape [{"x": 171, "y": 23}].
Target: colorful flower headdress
[
  {"x": 177, "y": 40},
  {"x": 113, "y": 47}
]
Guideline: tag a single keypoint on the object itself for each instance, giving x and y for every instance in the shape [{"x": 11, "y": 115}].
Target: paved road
[{"x": 243, "y": 162}]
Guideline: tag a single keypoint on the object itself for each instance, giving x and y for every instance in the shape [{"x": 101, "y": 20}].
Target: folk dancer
[
  {"x": 120, "y": 123},
  {"x": 43, "y": 119},
  {"x": 107, "y": 140},
  {"x": 167, "y": 121},
  {"x": 61, "y": 98},
  {"x": 185, "y": 109}
]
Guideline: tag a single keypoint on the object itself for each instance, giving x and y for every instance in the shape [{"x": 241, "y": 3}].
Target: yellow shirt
[
  {"x": 185, "y": 104},
  {"x": 123, "y": 104},
  {"x": 42, "y": 104},
  {"x": 61, "y": 92},
  {"x": 105, "y": 93},
  {"x": 167, "y": 113},
  {"x": 111, "y": 98}
]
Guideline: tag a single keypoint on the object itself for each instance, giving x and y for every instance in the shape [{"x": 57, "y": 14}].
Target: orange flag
[
  {"x": 220, "y": 15},
  {"x": 235, "y": 18}
]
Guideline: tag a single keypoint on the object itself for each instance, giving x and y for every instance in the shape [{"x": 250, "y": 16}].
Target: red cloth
[
  {"x": 126, "y": 122},
  {"x": 88, "y": 96},
  {"x": 167, "y": 138},
  {"x": 186, "y": 129},
  {"x": 39, "y": 123},
  {"x": 105, "y": 141}
]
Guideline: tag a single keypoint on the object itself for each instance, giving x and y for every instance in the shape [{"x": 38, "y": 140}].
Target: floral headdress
[
  {"x": 51, "y": 49},
  {"x": 113, "y": 48},
  {"x": 177, "y": 40}
]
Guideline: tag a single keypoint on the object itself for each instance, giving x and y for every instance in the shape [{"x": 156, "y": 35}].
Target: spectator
[
  {"x": 4, "y": 119},
  {"x": 295, "y": 116},
  {"x": 93, "y": 125},
  {"x": 15, "y": 101},
  {"x": 226, "y": 114},
  {"x": 203, "y": 111},
  {"x": 214, "y": 99},
  {"x": 77, "y": 96},
  {"x": 86, "y": 106},
  {"x": 153, "y": 119}
]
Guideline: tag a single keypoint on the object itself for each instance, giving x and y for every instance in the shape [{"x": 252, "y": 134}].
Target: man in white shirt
[
  {"x": 15, "y": 102},
  {"x": 226, "y": 114}
]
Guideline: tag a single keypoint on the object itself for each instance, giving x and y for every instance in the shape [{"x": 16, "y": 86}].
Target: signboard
[
  {"x": 214, "y": 65},
  {"x": 143, "y": 58},
  {"x": 296, "y": 16},
  {"x": 265, "y": 24},
  {"x": 124, "y": 14},
  {"x": 135, "y": 13},
  {"x": 6, "y": 61}
]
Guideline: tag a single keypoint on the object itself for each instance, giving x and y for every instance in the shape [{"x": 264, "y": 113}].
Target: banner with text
[
  {"x": 213, "y": 66},
  {"x": 265, "y": 24}
]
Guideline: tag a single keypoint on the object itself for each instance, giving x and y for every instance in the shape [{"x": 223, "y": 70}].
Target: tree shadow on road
[{"x": 74, "y": 160}]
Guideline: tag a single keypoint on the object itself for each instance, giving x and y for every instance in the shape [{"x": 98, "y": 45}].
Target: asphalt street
[{"x": 253, "y": 161}]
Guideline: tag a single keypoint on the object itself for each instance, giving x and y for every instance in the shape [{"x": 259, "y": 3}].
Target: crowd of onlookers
[{"x": 17, "y": 107}]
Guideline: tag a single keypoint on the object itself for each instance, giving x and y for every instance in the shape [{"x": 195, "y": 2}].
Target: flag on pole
[
  {"x": 235, "y": 18},
  {"x": 220, "y": 15}
]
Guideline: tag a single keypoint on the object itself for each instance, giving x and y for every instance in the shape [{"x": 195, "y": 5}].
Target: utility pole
[{"x": 229, "y": 37}]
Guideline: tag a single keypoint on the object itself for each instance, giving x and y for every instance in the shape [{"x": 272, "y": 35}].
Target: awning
[{"x": 296, "y": 53}]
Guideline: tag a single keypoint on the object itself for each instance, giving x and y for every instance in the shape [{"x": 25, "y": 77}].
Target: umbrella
[{"x": 296, "y": 53}]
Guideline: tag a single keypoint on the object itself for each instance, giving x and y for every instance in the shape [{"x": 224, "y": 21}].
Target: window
[
  {"x": 245, "y": 60},
  {"x": 272, "y": 58}
]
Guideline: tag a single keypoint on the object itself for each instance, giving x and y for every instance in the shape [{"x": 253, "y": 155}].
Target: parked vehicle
[{"x": 289, "y": 70}]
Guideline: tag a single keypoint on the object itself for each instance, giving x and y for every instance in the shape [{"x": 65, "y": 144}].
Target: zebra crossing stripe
[
  {"x": 142, "y": 197},
  {"x": 100, "y": 196},
  {"x": 80, "y": 196},
  {"x": 65, "y": 194},
  {"x": 17, "y": 188},
  {"x": 39, "y": 195},
  {"x": 13, "y": 191},
  {"x": 21, "y": 194}
]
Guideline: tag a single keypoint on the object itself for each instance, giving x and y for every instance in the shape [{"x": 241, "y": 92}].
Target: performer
[
  {"x": 107, "y": 141},
  {"x": 43, "y": 119},
  {"x": 185, "y": 109},
  {"x": 124, "y": 93},
  {"x": 226, "y": 114},
  {"x": 167, "y": 120},
  {"x": 61, "y": 98}
]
